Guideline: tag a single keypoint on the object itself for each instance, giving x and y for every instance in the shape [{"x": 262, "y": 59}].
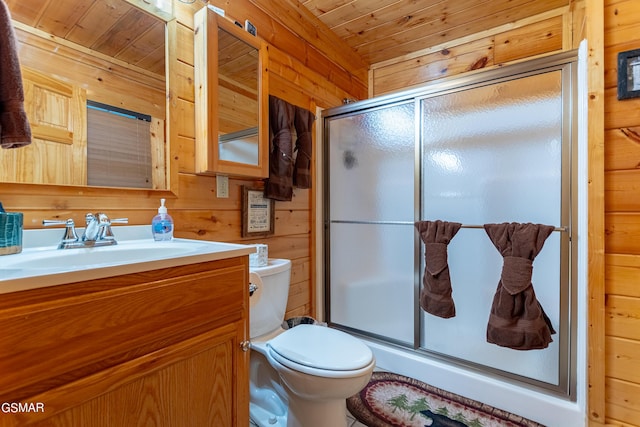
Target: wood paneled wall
[
  {"x": 622, "y": 222},
  {"x": 550, "y": 32},
  {"x": 300, "y": 74},
  {"x": 106, "y": 80},
  {"x": 316, "y": 74},
  {"x": 310, "y": 68}
]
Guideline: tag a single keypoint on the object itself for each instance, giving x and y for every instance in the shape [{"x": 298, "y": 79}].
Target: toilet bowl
[{"x": 299, "y": 377}]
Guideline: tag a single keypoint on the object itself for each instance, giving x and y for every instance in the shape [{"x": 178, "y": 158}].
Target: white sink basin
[
  {"x": 40, "y": 266},
  {"x": 124, "y": 253}
]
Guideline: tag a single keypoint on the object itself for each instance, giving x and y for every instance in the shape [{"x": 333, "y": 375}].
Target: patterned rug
[{"x": 391, "y": 400}]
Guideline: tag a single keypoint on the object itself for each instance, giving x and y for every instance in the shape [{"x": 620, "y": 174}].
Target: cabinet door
[
  {"x": 190, "y": 384},
  {"x": 231, "y": 99}
]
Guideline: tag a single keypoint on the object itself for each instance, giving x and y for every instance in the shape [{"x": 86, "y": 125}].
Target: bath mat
[{"x": 391, "y": 400}]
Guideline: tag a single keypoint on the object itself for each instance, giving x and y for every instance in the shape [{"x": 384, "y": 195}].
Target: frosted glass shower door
[
  {"x": 371, "y": 159},
  {"x": 495, "y": 154}
]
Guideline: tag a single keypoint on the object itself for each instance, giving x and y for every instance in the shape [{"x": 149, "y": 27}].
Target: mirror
[
  {"x": 232, "y": 129},
  {"x": 238, "y": 108},
  {"x": 110, "y": 53}
]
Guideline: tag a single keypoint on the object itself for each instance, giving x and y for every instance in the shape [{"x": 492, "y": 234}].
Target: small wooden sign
[{"x": 258, "y": 213}]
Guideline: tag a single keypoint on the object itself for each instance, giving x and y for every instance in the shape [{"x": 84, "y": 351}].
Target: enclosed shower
[{"x": 495, "y": 147}]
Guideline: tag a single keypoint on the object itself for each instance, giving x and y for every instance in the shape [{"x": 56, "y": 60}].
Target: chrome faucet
[
  {"x": 96, "y": 233},
  {"x": 91, "y": 229}
]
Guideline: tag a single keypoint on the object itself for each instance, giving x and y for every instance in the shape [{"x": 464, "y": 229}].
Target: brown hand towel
[
  {"x": 302, "y": 170},
  {"x": 435, "y": 296},
  {"x": 14, "y": 127},
  {"x": 517, "y": 319},
  {"x": 279, "y": 186}
]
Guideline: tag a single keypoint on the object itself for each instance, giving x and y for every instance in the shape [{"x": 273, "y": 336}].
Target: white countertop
[{"x": 41, "y": 264}]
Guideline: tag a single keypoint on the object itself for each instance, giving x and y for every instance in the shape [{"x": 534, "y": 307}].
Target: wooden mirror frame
[
  {"x": 32, "y": 196},
  {"x": 208, "y": 162}
]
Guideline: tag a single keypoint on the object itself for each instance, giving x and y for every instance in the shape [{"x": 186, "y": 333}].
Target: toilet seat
[{"x": 321, "y": 351}]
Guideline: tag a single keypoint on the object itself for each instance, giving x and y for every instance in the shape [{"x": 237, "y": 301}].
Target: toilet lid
[{"x": 322, "y": 348}]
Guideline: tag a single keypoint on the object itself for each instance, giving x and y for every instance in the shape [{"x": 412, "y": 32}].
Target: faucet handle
[
  {"x": 103, "y": 219},
  {"x": 105, "y": 233},
  {"x": 50, "y": 222},
  {"x": 70, "y": 234}
]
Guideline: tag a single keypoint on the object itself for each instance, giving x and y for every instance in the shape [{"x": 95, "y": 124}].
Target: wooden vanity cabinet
[{"x": 156, "y": 348}]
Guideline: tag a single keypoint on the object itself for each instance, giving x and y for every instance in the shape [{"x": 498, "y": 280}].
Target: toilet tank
[{"x": 269, "y": 301}]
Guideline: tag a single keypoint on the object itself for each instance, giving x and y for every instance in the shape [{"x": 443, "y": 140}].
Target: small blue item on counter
[
  {"x": 10, "y": 232},
  {"x": 162, "y": 224}
]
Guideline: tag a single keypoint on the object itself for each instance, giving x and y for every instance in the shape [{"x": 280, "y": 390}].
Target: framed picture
[
  {"x": 629, "y": 74},
  {"x": 258, "y": 213}
]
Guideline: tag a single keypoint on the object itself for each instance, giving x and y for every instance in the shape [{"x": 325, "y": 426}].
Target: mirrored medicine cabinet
[{"x": 231, "y": 98}]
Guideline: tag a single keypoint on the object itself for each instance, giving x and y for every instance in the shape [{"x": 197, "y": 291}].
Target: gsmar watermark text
[{"x": 19, "y": 407}]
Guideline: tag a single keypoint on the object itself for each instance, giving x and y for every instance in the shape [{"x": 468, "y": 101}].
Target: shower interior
[{"x": 499, "y": 146}]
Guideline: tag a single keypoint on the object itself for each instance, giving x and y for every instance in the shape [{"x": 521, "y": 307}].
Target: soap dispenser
[{"x": 162, "y": 224}]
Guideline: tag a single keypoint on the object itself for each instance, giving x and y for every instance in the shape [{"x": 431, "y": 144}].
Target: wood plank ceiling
[
  {"x": 113, "y": 28},
  {"x": 380, "y": 30}
]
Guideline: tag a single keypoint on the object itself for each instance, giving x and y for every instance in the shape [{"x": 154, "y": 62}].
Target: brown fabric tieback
[
  {"x": 302, "y": 170},
  {"x": 279, "y": 186},
  {"x": 517, "y": 319},
  {"x": 435, "y": 296},
  {"x": 15, "y": 130}
]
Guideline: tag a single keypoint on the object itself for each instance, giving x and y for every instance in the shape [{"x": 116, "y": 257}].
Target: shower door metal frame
[{"x": 566, "y": 63}]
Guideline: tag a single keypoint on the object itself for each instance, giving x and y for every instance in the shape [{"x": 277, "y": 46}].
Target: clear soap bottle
[{"x": 162, "y": 224}]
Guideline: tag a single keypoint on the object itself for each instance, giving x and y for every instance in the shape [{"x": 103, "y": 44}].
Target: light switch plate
[{"x": 222, "y": 186}]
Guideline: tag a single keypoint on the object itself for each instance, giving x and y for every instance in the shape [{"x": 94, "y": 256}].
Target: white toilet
[{"x": 300, "y": 377}]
